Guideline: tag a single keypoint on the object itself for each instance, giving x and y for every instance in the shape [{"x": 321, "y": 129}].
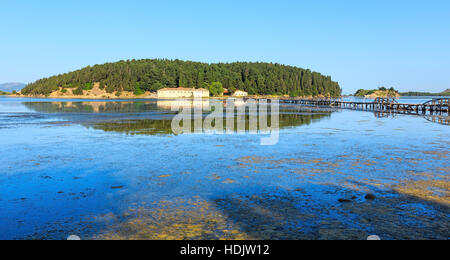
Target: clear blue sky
[{"x": 361, "y": 44}]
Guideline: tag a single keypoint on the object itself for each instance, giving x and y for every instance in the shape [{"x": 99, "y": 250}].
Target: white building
[
  {"x": 183, "y": 93},
  {"x": 240, "y": 93}
]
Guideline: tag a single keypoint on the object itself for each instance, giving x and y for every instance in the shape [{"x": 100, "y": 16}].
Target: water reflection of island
[
  {"x": 114, "y": 106},
  {"x": 164, "y": 127},
  {"x": 132, "y": 118},
  {"x": 92, "y": 107},
  {"x": 169, "y": 104}
]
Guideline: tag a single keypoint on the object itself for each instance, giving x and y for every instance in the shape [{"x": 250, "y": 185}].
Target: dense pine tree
[{"x": 151, "y": 75}]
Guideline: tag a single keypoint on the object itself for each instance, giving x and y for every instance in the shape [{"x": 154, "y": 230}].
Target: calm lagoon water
[{"x": 114, "y": 170}]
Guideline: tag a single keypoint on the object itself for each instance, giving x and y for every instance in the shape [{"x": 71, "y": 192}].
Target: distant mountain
[
  {"x": 447, "y": 91},
  {"x": 10, "y": 87}
]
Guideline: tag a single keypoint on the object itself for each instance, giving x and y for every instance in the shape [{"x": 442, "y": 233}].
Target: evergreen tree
[
  {"x": 151, "y": 75},
  {"x": 216, "y": 89}
]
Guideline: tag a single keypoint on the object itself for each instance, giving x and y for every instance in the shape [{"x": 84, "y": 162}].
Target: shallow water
[{"x": 113, "y": 170}]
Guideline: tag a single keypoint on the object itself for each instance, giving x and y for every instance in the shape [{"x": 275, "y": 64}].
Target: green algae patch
[
  {"x": 437, "y": 154},
  {"x": 252, "y": 160},
  {"x": 229, "y": 181},
  {"x": 214, "y": 177},
  {"x": 180, "y": 220},
  {"x": 430, "y": 190}
]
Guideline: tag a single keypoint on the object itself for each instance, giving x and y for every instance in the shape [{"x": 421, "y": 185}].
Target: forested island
[
  {"x": 3, "y": 93},
  {"x": 391, "y": 92},
  {"x": 144, "y": 76}
]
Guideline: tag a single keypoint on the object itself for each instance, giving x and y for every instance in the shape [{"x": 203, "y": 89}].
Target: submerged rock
[{"x": 370, "y": 197}]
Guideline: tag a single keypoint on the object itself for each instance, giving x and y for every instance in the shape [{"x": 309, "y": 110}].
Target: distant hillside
[
  {"x": 425, "y": 94},
  {"x": 139, "y": 76},
  {"x": 10, "y": 87}
]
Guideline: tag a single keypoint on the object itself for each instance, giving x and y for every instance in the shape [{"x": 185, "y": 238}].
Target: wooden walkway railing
[
  {"x": 388, "y": 105},
  {"x": 435, "y": 106}
]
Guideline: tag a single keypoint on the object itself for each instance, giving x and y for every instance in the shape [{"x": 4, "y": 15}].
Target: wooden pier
[{"x": 389, "y": 105}]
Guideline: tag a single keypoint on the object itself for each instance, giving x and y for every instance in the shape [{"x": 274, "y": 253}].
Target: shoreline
[
  {"x": 156, "y": 98},
  {"x": 128, "y": 96},
  {"x": 80, "y": 97},
  {"x": 153, "y": 97}
]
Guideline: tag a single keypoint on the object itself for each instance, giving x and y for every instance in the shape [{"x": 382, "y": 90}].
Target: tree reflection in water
[{"x": 155, "y": 117}]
